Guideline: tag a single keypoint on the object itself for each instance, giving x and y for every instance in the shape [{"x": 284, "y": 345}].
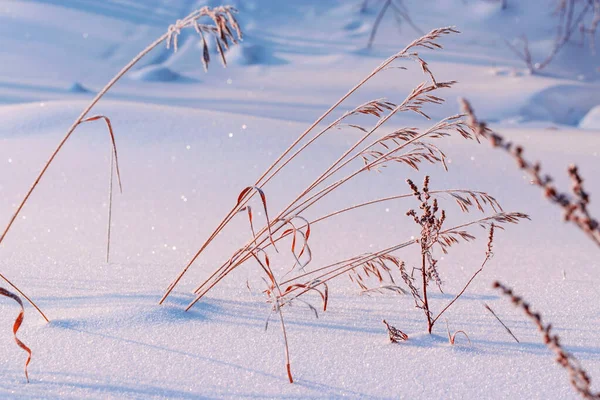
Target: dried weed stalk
[
  {"x": 501, "y": 323},
  {"x": 574, "y": 205},
  {"x": 578, "y": 377},
  {"x": 224, "y": 29}
]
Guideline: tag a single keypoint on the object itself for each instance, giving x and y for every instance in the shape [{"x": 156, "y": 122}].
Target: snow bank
[
  {"x": 563, "y": 104},
  {"x": 591, "y": 119},
  {"x": 77, "y": 87},
  {"x": 156, "y": 73},
  {"x": 252, "y": 54}
]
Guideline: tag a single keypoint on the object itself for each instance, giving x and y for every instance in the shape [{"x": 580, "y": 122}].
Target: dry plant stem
[
  {"x": 579, "y": 378},
  {"x": 488, "y": 255},
  {"x": 502, "y": 323},
  {"x": 110, "y": 200},
  {"x": 384, "y": 199},
  {"x": 267, "y": 268},
  {"x": 424, "y": 289},
  {"x": 425, "y": 41},
  {"x": 575, "y": 206}
]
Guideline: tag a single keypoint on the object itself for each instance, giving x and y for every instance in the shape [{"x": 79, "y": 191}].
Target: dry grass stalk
[
  {"x": 274, "y": 285},
  {"x": 574, "y": 205},
  {"x": 452, "y": 337},
  {"x": 17, "y": 325},
  {"x": 395, "y": 334},
  {"x": 579, "y": 378},
  {"x": 225, "y": 30},
  {"x": 110, "y": 200},
  {"x": 502, "y": 323},
  {"x": 114, "y": 166}
]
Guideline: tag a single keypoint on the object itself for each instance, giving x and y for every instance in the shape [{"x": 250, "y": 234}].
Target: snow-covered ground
[{"x": 189, "y": 142}]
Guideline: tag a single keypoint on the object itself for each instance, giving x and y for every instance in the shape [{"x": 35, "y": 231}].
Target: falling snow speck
[
  {"x": 10, "y": 160},
  {"x": 387, "y": 210},
  {"x": 244, "y": 126},
  {"x": 188, "y": 147},
  {"x": 229, "y": 81},
  {"x": 230, "y": 134},
  {"x": 174, "y": 248}
]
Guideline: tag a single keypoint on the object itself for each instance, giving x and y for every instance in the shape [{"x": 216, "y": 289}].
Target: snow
[{"x": 189, "y": 142}]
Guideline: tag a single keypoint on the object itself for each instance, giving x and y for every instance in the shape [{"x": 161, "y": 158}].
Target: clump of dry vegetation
[
  {"x": 372, "y": 151},
  {"x": 224, "y": 29},
  {"x": 395, "y": 334},
  {"x": 578, "y": 377}
]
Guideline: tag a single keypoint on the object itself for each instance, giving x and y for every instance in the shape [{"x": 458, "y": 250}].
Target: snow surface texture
[{"x": 189, "y": 142}]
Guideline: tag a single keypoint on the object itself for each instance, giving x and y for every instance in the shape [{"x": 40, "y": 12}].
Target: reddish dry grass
[
  {"x": 578, "y": 377},
  {"x": 17, "y": 325}
]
